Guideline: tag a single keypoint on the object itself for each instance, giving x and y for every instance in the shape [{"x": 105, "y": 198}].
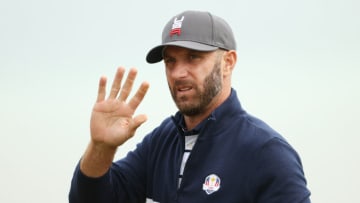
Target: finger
[
  {"x": 139, "y": 96},
  {"x": 126, "y": 89},
  {"x": 138, "y": 120},
  {"x": 101, "y": 89},
  {"x": 135, "y": 124},
  {"x": 116, "y": 83}
]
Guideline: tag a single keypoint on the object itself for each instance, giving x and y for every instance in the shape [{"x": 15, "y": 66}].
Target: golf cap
[{"x": 195, "y": 30}]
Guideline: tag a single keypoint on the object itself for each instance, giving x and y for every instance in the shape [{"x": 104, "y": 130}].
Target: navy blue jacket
[{"x": 237, "y": 158}]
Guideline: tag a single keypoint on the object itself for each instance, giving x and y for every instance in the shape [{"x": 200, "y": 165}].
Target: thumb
[{"x": 138, "y": 120}]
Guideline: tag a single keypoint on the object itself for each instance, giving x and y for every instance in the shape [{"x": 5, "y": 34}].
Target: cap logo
[
  {"x": 176, "y": 27},
  {"x": 211, "y": 184}
]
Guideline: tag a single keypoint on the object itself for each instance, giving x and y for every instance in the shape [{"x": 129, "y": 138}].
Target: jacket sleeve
[
  {"x": 279, "y": 176},
  {"x": 124, "y": 182},
  {"x": 85, "y": 189}
]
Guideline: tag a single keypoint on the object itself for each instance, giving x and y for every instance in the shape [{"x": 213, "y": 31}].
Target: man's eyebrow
[{"x": 194, "y": 52}]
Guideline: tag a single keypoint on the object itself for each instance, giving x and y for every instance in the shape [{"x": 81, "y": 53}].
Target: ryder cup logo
[{"x": 211, "y": 184}]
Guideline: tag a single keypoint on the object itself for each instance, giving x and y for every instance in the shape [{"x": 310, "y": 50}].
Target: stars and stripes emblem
[{"x": 176, "y": 27}]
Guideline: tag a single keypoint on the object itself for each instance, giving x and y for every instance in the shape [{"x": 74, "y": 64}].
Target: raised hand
[
  {"x": 112, "y": 122},
  {"x": 112, "y": 119}
]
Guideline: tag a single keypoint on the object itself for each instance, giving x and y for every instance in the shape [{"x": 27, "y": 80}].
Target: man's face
[{"x": 194, "y": 78}]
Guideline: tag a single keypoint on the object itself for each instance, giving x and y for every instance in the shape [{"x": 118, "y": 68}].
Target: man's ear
[{"x": 230, "y": 58}]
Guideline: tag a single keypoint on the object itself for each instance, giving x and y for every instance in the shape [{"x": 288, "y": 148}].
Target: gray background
[{"x": 298, "y": 70}]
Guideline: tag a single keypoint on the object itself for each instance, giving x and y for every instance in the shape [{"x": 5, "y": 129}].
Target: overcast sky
[{"x": 298, "y": 70}]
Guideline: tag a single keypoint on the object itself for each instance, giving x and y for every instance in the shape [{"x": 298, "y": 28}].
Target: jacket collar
[{"x": 230, "y": 107}]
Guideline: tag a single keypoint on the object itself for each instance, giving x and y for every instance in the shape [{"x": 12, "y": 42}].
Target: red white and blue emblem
[
  {"x": 211, "y": 184},
  {"x": 176, "y": 27}
]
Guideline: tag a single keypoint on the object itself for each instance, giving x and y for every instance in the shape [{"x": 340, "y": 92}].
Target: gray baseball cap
[{"x": 195, "y": 30}]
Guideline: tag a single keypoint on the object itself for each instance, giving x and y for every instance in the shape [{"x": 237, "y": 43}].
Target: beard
[{"x": 202, "y": 97}]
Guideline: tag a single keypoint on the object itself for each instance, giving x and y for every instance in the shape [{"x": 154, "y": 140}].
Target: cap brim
[{"x": 156, "y": 54}]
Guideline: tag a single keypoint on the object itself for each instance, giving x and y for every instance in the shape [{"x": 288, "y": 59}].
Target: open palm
[{"x": 112, "y": 120}]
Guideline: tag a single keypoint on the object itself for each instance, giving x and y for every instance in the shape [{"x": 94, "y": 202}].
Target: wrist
[{"x": 97, "y": 159}]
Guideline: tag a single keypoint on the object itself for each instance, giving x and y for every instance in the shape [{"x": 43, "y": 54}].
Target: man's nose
[{"x": 180, "y": 70}]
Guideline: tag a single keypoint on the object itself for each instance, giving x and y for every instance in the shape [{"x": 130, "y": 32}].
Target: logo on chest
[{"x": 211, "y": 184}]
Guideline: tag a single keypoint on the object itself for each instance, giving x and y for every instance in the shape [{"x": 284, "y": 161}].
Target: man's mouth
[{"x": 184, "y": 89}]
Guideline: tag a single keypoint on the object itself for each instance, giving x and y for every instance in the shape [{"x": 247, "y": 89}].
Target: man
[{"x": 209, "y": 151}]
